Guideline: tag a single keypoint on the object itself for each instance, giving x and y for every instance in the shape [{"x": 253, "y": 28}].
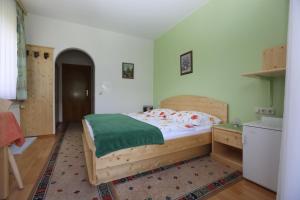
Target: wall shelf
[{"x": 266, "y": 73}]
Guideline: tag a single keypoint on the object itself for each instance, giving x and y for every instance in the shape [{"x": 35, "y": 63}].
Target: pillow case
[
  {"x": 195, "y": 118},
  {"x": 161, "y": 113}
]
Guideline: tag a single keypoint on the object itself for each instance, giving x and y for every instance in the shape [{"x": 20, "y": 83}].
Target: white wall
[
  {"x": 108, "y": 50},
  {"x": 289, "y": 174},
  {"x": 68, "y": 57}
]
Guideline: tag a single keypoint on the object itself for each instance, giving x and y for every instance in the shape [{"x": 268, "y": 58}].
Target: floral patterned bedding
[
  {"x": 174, "y": 124},
  {"x": 168, "y": 120}
]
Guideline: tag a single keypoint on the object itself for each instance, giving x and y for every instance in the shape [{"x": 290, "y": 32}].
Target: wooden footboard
[
  {"x": 89, "y": 154},
  {"x": 127, "y": 162}
]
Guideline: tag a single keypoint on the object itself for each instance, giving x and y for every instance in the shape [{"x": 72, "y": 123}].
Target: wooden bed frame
[{"x": 127, "y": 162}]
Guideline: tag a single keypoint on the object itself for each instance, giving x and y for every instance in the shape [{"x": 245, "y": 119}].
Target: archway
[{"x": 74, "y": 85}]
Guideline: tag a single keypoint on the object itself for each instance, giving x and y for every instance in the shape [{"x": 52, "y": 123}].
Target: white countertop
[{"x": 267, "y": 123}]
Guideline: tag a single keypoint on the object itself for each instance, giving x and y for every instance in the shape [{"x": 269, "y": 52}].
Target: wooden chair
[{"x": 6, "y": 157}]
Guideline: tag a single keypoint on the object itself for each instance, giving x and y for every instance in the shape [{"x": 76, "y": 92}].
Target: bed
[{"x": 131, "y": 161}]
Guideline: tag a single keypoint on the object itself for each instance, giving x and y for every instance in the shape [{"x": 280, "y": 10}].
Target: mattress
[{"x": 170, "y": 130}]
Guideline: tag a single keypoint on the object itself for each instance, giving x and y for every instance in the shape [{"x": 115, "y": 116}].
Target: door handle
[
  {"x": 22, "y": 106},
  {"x": 87, "y": 93}
]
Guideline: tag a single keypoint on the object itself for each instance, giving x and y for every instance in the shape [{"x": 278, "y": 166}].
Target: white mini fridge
[{"x": 261, "y": 151}]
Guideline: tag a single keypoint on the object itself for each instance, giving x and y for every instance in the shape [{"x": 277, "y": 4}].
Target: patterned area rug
[{"x": 65, "y": 177}]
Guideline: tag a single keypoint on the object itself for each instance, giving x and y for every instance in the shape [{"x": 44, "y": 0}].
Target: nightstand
[{"x": 227, "y": 145}]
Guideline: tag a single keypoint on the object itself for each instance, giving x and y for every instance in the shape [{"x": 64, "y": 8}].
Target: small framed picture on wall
[
  {"x": 127, "y": 70},
  {"x": 186, "y": 63}
]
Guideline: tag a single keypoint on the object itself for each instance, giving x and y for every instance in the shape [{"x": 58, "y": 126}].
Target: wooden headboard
[{"x": 197, "y": 103}]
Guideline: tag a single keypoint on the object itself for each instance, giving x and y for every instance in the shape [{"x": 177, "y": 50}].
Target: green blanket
[{"x": 116, "y": 131}]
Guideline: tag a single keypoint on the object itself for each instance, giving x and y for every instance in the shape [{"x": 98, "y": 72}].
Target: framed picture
[
  {"x": 186, "y": 63},
  {"x": 128, "y": 70}
]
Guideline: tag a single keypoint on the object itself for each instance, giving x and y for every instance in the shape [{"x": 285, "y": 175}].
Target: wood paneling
[
  {"x": 37, "y": 110},
  {"x": 274, "y": 57},
  {"x": 151, "y": 151},
  {"x": 131, "y": 168}
]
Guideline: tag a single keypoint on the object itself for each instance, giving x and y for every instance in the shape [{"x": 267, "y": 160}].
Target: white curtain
[
  {"x": 8, "y": 49},
  {"x": 289, "y": 173}
]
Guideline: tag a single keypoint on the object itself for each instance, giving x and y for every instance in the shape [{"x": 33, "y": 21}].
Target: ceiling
[{"x": 144, "y": 18}]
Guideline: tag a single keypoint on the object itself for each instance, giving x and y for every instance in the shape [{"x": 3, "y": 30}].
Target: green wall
[{"x": 227, "y": 38}]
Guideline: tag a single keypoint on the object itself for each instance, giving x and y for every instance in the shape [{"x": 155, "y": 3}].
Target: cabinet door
[
  {"x": 37, "y": 110},
  {"x": 261, "y": 154}
]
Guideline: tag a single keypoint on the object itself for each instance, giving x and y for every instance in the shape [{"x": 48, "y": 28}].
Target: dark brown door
[{"x": 76, "y": 92}]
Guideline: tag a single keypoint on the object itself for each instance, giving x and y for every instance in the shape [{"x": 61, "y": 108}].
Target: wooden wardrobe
[{"x": 36, "y": 113}]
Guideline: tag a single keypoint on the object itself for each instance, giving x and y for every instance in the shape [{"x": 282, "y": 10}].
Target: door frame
[{"x": 58, "y": 73}]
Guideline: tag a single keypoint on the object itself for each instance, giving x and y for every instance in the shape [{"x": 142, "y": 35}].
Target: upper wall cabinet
[{"x": 274, "y": 62}]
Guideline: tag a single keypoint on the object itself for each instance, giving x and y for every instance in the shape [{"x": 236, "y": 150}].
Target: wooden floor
[
  {"x": 33, "y": 160},
  {"x": 244, "y": 190},
  {"x": 31, "y": 164}
]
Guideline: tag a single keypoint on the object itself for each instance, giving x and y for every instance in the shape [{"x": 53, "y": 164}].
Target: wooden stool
[{"x": 15, "y": 169}]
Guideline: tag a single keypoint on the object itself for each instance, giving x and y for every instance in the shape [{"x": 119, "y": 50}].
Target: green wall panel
[{"x": 227, "y": 38}]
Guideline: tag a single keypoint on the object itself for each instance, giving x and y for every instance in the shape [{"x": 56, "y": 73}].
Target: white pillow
[
  {"x": 160, "y": 112},
  {"x": 195, "y": 118}
]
